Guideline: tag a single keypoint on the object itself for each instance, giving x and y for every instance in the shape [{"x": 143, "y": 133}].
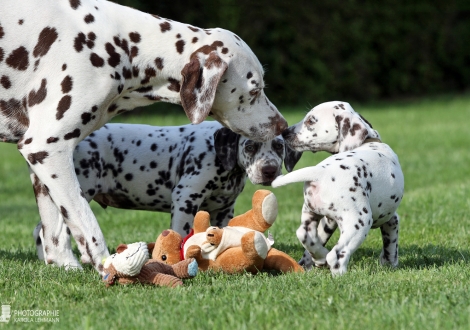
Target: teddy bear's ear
[
  {"x": 202, "y": 221},
  {"x": 121, "y": 248},
  {"x": 150, "y": 247}
]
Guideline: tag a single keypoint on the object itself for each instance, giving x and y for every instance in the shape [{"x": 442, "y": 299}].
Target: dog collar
[{"x": 191, "y": 233}]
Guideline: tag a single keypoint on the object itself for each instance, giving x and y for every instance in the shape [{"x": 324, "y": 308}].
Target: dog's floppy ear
[
  {"x": 291, "y": 158},
  {"x": 353, "y": 129},
  {"x": 199, "y": 83},
  {"x": 226, "y": 147}
]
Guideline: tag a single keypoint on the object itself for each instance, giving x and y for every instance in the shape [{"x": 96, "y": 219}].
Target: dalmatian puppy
[
  {"x": 68, "y": 66},
  {"x": 358, "y": 188},
  {"x": 179, "y": 169}
]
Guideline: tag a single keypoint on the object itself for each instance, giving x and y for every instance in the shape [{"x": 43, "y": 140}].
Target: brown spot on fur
[
  {"x": 165, "y": 27},
  {"x": 71, "y": 135},
  {"x": 149, "y": 73},
  {"x": 79, "y": 41},
  {"x": 5, "y": 81},
  {"x": 114, "y": 58},
  {"x": 64, "y": 105},
  {"x": 174, "y": 85},
  {"x": 46, "y": 38},
  {"x": 180, "y": 46},
  {"x": 66, "y": 84},
  {"x": 52, "y": 139},
  {"x": 37, "y": 157},
  {"x": 89, "y": 19},
  {"x": 96, "y": 60},
  {"x": 18, "y": 59},
  {"x": 74, "y": 4},
  {"x": 206, "y": 49},
  {"x": 135, "y": 37},
  {"x": 159, "y": 63},
  {"x": 39, "y": 96}
]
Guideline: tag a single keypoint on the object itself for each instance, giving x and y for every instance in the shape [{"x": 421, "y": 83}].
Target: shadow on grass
[
  {"x": 419, "y": 257},
  {"x": 19, "y": 254}
]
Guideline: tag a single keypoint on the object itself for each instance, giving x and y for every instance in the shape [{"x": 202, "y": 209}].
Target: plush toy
[
  {"x": 239, "y": 247},
  {"x": 131, "y": 264}
]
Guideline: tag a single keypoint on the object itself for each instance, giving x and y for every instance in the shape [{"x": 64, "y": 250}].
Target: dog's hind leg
[
  {"x": 389, "y": 254},
  {"x": 354, "y": 231},
  {"x": 326, "y": 228}
]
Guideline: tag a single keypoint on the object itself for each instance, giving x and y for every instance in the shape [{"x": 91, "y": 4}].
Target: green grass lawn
[{"x": 429, "y": 289}]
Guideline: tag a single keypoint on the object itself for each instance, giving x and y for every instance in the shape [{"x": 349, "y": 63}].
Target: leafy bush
[{"x": 351, "y": 50}]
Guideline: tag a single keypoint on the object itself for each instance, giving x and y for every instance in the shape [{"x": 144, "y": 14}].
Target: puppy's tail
[{"x": 301, "y": 175}]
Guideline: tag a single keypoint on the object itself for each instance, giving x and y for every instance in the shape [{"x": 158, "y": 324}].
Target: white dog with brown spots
[
  {"x": 68, "y": 67},
  {"x": 358, "y": 188}
]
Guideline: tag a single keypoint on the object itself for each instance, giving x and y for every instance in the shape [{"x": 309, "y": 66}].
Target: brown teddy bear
[
  {"x": 131, "y": 264},
  {"x": 239, "y": 247}
]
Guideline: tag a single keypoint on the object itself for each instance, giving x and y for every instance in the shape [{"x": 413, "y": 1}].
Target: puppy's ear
[
  {"x": 200, "y": 78},
  {"x": 353, "y": 129},
  {"x": 226, "y": 147},
  {"x": 121, "y": 248},
  {"x": 291, "y": 158}
]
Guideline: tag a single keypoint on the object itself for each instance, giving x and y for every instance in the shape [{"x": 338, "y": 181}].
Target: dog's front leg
[
  {"x": 55, "y": 171},
  {"x": 51, "y": 235},
  {"x": 222, "y": 216}
]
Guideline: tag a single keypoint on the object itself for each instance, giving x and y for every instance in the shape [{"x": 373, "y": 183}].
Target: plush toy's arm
[
  {"x": 202, "y": 221},
  {"x": 278, "y": 260}
]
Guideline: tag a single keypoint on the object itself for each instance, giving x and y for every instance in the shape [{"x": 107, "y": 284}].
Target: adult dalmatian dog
[
  {"x": 178, "y": 169},
  {"x": 67, "y": 67},
  {"x": 358, "y": 188}
]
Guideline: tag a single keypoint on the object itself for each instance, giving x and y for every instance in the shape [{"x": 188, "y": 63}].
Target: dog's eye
[
  {"x": 311, "y": 121},
  {"x": 163, "y": 257},
  {"x": 249, "y": 148},
  {"x": 278, "y": 146}
]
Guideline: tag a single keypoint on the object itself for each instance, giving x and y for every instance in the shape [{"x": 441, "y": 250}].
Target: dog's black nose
[{"x": 269, "y": 172}]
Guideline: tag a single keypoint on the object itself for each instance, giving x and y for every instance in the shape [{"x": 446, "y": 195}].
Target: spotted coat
[
  {"x": 358, "y": 188},
  {"x": 177, "y": 169},
  {"x": 68, "y": 66}
]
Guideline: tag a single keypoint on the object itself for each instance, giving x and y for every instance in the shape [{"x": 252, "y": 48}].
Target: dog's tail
[{"x": 303, "y": 174}]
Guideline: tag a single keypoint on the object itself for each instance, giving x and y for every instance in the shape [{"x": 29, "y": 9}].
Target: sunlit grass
[{"x": 429, "y": 289}]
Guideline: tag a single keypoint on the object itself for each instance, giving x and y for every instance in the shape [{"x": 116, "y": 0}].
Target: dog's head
[
  {"x": 224, "y": 79},
  {"x": 262, "y": 161},
  {"x": 331, "y": 126}
]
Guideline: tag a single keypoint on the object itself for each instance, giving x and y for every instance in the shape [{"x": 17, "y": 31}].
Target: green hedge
[{"x": 351, "y": 50}]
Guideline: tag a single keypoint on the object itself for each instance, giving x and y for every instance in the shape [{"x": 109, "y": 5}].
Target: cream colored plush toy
[
  {"x": 131, "y": 264},
  {"x": 239, "y": 247}
]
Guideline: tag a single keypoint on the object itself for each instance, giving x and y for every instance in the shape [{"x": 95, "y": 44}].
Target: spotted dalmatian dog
[
  {"x": 179, "y": 169},
  {"x": 358, "y": 188},
  {"x": 68, "y": 66}
]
